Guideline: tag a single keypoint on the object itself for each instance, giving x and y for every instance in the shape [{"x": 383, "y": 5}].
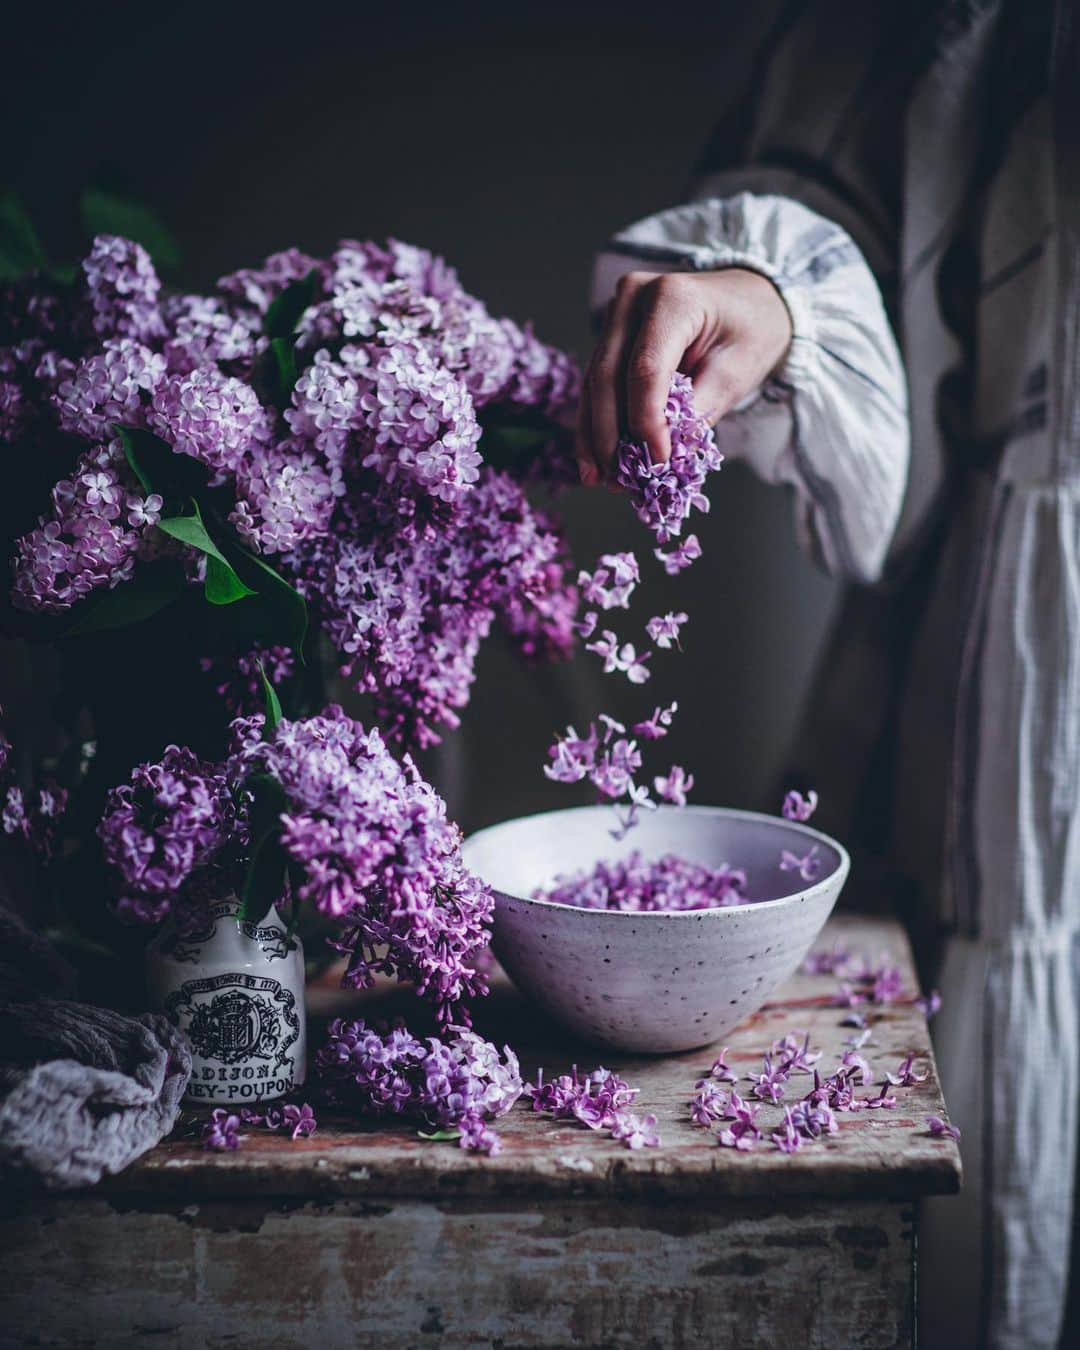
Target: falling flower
[
  {"x": 927, "y": 1004},
  {"x": 664, "y": 629},
  {"x": 681, "y": 556},
  {"x": 675, "y": 786},
  {"x": 656, "y": 726},
  {"x": 799, "y": 808}
]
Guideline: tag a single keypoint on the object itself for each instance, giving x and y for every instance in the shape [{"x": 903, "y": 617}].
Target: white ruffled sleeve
[{"x": 832, "y": 422}]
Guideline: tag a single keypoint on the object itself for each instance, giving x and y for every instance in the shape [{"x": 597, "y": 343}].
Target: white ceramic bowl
[{"x": 653, "y": 982}]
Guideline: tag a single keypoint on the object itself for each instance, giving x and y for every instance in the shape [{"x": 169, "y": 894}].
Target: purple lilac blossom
[
  {"x": 598, "y": 1100},
  {"x": 635, "y": 883},
  {"x": 376, "y": 850},
  {"x": 799, "y": 808},
  {"x": 807, "y": 866},
  {"x": 664, "y": 494},
  {"x": 459, "y": 1082},
  {"x": 941, "y": 1129},
  {"x": 675, "y": 786},
  {"x": 929, "y": 1004},
  {"x": 905, "y": 1075},
  {"x": 237, "y": 679},
  {"x": 654, "y": 728},
  {"x": 664, "y": 629},
  {"x": 122, "y": 288},
  {"x": 221, "y": 1132},
  {"x": 91, "y": 538},
  {"x": 677, "y": 559}
]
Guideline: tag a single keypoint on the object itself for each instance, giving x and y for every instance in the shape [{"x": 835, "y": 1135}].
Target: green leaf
[
  {"x": 283, "y": 354},
  {"x": 264, "y": 881},
  {"x": 438, "y": 1136},
  {"x": 20, "y": 248},
  {"x": 272, "y": 704},
  {"x": 153, "y": 587},
  {"x": 106, "y": 212},
  {"x": 284, "y": 312},
  {"x": 223, "y": 586},
  {"x": 159, "y": 468}
]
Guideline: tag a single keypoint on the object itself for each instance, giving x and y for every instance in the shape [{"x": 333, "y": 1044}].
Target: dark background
[{"x": 513, "y": 141}]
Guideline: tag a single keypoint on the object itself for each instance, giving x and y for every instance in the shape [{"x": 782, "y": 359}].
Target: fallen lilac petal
[{"x": 941, "y": 1129}]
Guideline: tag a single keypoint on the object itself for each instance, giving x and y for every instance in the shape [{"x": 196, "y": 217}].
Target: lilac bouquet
[
  {"x": 336, "y": 444},
  {"x": 318, "y": 810}
]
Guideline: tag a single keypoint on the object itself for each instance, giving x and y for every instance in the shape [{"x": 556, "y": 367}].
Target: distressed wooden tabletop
[{"x": 876, "y": 1154}]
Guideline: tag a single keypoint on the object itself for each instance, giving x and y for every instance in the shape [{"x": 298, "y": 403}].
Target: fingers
[
  {"x": 669, "y": 325},
  {"x": 598, "y": 416}
]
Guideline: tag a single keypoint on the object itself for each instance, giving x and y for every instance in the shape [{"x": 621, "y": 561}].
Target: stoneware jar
[{"x": 236, "y": 990}]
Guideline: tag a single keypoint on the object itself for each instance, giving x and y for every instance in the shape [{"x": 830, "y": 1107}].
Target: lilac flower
[
  {"x": 122, "y": 288},
  {"x": 800, "y": 808},
  {"x": 743, "y": 1133},
  {"x": 636, "y": 1131},
  {"x": 221, "y": 1132},
  {"x": 211, "y": 417},
  {"x": 927, "y": 1004},
  {"x": 598, "y": 1100},
  {"x": 807, "y": 866},
  {"x": 622, "y": 658},
  {"x": 879, "y": 1099},
  {"x": 675, "y": 786},
  {"x": 941, "y": 1129},
  {"x": 787, "y": 1138},
  {"x": 238, "y": 680},
  {"x": 573, "y": 757},
  {"x": 721, "y": 1070},
  {"x": 813, "y": 1118},
  {"x": 656, "y": 726},
  {"x": 664, "y": 629},
  {"x": 299, "y": 1121},
  {"x": 586, "y": 626},
  {"x": 858, "y": 1065},
  {"x": 679, "y": 557},
  {"x": 455, "y": 1083},
  {"x": 663, "y": 884},
  {"x": 612, "y": 583},
  {"x": 796, "y": 1056},
  {"x": 905, "y": 1075},
  {"x": 887, "y": 982},
  {"x": 168, "y": 820},
  {"x": 708, "y": 1104},
  {"x": 664, "y": 494},
  {"x": 108, "y": 388},
  {"x": 826, "y": 962},
  {"x": 768, "y": 1086},
  {"x": 374, "y": 846},
  {"x": 478, "y": 1137}
]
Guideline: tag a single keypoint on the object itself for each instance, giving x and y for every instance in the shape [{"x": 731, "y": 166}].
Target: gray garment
[
  {"x": 943, "y": 733},
  {"x": 83, "y": 1090}
]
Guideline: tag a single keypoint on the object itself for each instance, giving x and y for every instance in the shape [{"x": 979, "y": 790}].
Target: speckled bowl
[{"x": 653, "y": 982}]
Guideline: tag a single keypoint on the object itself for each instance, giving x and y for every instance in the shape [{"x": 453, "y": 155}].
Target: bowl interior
[{"x": 519, "y": 856}]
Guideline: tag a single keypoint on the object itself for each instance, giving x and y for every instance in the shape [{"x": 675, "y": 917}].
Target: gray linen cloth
[{"x": 83, "y": 1090}]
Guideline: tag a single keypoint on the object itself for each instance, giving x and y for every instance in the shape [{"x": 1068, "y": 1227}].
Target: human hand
[{"x": 726, "y": 330}]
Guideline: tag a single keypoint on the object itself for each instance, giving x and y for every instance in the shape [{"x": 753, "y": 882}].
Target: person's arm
[{"x": 774, "y": 313}]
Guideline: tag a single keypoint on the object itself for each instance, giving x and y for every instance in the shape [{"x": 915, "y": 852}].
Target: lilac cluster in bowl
[{"x": 654, "y": 981}]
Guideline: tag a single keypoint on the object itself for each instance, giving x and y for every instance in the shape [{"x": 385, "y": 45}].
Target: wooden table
[{"x": 371, "y": 1236}]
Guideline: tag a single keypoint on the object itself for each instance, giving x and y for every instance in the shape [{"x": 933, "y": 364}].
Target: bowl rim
[{"x": 836, "y": 877}]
